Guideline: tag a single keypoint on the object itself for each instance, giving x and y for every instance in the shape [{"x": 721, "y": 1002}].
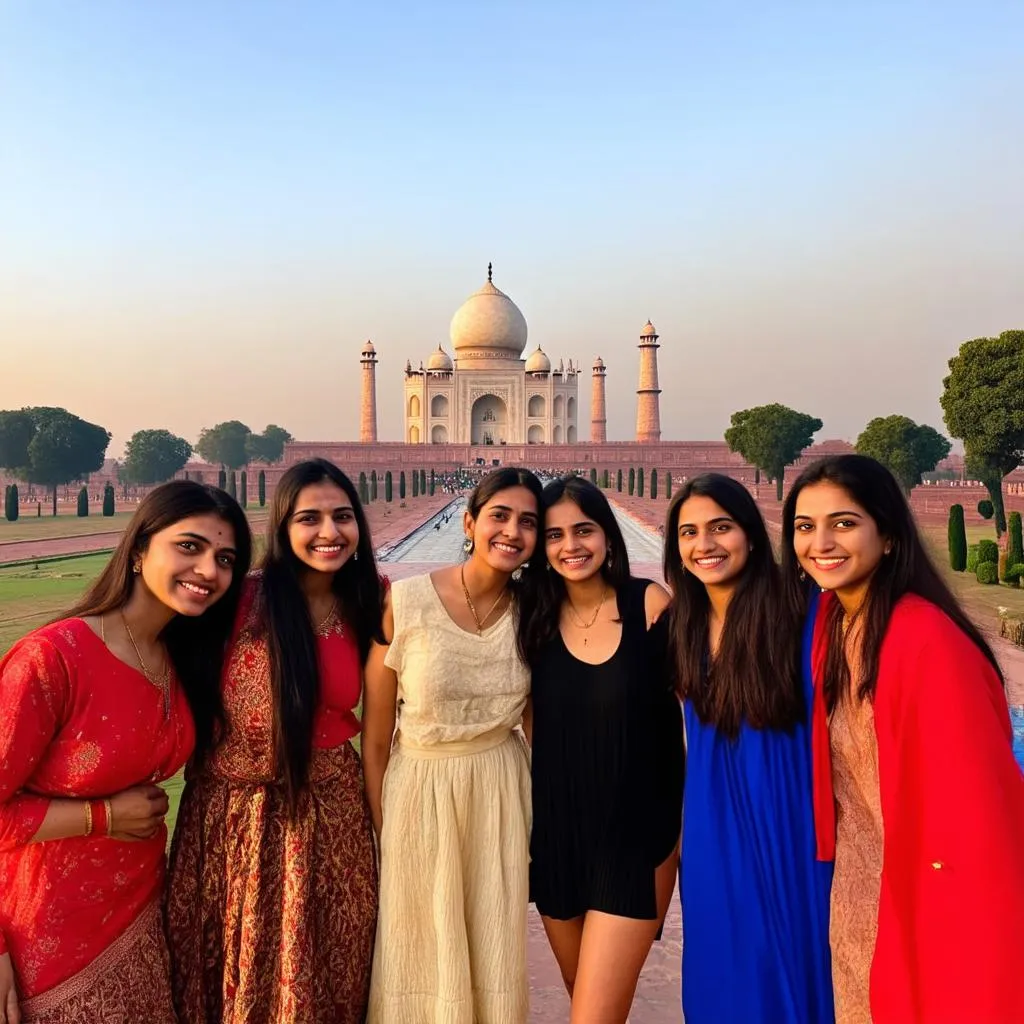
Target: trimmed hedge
[
  {"x": 1015, "y": 574},
  {"x": 972, "y": 558},
  {"x": 986, "y": 509},
  {"x": 108, "y": 500},
  {"x": 988, "y": 551},
  {"x": 988, "y": 572}
]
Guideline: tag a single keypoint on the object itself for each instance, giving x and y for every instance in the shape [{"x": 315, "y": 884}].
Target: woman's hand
[
  {"x": 137, "y": 813},
  {"x": 9, "y": 1012}
]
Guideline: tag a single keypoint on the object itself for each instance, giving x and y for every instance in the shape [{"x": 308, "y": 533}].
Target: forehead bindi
[{"x": 210, "y": 528}]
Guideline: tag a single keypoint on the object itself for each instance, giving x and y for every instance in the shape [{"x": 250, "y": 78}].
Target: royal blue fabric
[{"x": 755, "y": 901}]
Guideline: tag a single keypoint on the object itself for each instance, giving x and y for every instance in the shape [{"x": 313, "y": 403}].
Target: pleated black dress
[{"x": 608, "y": 769}]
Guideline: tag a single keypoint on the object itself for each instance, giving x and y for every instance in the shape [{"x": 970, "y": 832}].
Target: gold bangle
[
  {"x": 110, "y": 816},
  {"x": 88, "y": 818}
]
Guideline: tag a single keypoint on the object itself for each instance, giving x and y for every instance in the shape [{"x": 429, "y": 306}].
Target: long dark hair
[
  {"x": 544, "y": 589},
  {"x": 907, "y": 569},
  {"x": 755, "y": 676},
  {"x": 290, "y": 631},
  {"x": 196, "y": 645}
]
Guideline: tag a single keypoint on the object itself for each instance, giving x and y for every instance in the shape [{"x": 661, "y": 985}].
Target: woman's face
[
  {"x": 712, "y": 545},
  {"x": 575, "y": 545},
  {"x": 835, "y": 540},
  {"x": 190, "y": 565},
  {"x": 322, "y": 529},
  {"x": 504, "y": 533}
]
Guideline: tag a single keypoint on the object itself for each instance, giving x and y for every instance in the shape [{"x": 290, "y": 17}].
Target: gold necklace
[
  {"x": 472, "y": 607},
  {"x": 597, "y": 611},
  {"x": 327, "y": 618},
  {"x": 162, "y": 683}
]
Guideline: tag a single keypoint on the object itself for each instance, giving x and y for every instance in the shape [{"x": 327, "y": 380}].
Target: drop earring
[{"x": 467, "y": 546}]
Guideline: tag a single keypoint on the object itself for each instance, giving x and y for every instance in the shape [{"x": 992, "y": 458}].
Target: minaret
[
  {"x": 598, "y": 419},
  {"x": 368, "y": 406},
  {"x": 648, "y": 416}
]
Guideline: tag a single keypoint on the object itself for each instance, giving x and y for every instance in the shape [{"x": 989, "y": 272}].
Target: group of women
[{"x": 854, "y": 817}]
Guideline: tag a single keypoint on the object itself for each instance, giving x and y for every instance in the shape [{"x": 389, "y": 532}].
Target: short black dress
[{"x": 608, "y": 769}]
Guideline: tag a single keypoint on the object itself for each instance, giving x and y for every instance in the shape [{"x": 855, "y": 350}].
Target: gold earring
[{"x": 137, "y": 568}]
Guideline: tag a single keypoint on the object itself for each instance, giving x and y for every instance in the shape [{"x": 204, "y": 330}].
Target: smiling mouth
[
  {"x": 576, "y": 561},
  {"x": 195, "y": 588},
  {"x": 829, "y": 563},
  {"x": 326, "y": 549},
  {"x": 506, "y": 549},
  {"x": 711, "y": 562}
]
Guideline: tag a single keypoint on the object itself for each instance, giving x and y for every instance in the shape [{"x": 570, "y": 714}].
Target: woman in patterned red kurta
[
  {"x": 98, "y": 708},
  {"x": 272, "y": 901}
]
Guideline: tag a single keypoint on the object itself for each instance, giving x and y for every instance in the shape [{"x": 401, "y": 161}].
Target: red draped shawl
[{"x": 950, "y": 943}]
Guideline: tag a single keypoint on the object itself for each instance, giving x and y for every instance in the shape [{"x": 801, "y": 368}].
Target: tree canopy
[
  {"x": 905, "y": 448},
  {"x": 983, "y": 404},
  {"x": 268, "y": 446},
  {"x": 771, "y": 437},
  {"x": 153, "y": 456},
  {"x": 225, "y": 444},
  {"x": 51, "y": 446}
]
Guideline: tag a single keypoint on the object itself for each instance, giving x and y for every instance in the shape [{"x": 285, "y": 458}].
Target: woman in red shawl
[
  {"x": 98, "y": 708},
  {"x": 917, "y": 792}
]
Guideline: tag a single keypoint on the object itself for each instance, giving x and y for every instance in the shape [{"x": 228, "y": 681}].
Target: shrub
[
  {"x": 261, "y": 488},
  {"x": 108, "y": 500},
  {"x": 986, "y": 509},
  {"x": 243, "y": 496},
  {"x": 972, "y": 559},
  {"x": 988, "y": 572},
  {"x": 83, "y": 502},
  {"x": 988, "y": 551},
  {"x": 957, "y": 538},
  {"x": 1015, "y": 574}
]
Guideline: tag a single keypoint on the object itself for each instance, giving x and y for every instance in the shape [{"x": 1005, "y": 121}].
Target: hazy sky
[{"x": 207, "y": 207}]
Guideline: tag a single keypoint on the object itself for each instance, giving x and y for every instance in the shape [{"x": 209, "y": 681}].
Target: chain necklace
[
  {"x": 319, "y": 631},
  {"x": 472, "y": 607},
  {"x": 597, "y": 611},
  {"x": 162, "y": 683}
]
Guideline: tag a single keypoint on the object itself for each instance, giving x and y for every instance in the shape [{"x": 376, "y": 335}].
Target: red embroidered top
[
  {"x": 247, "y": 753},
  {"x": 77, "y": 723},
  {"x": 951, "y": 907}
]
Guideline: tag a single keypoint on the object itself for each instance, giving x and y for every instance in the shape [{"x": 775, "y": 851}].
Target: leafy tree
[
  {"x": 60, "y": 448},
  {"x": 153, "y": 456},
  {"x": 261, "y": 488},
  {"x": 108, "y": 500},
  {"x": 268, "y": 446},
  {"x": 957, "y": 537},
  {"x": 983, "y": 403},
  {"x": 904, "y": 447},
  {"x": 401, "y": 485},
  {"x": 226, "y": 444},
  {"x": 83, "y": 502},
  {"x": 388, "y": 488},
  {"x": 632, "y": 481},
  {"x": 233, "y": 485},
  {"x": 771, "y": 437},
  {"x": 243, "y": 497}
]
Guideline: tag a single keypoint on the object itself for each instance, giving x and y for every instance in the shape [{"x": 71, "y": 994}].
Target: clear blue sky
[{"x": 206, "y": 208}]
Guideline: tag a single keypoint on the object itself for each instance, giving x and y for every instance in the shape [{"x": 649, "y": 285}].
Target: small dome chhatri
[
  {"x": 648, "y": 331},
  {"x": 440, "y": 360},
  {"x": 489, "y": 323},
  {"x": 538, "y": 362}
]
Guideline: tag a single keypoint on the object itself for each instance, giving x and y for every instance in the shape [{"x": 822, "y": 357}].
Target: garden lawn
[{"x": 48, "y": 527}]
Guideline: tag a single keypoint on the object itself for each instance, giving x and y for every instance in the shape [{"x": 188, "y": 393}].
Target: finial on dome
[{"x": 490, "y": 270}]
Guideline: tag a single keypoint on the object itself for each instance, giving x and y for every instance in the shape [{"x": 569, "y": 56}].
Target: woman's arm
[
  {"x": 656, "y": 600},
  {"x": 528, "y": 720},
  {"x": 9, "y": 1011},
  {"x": 380, "y": 699}
]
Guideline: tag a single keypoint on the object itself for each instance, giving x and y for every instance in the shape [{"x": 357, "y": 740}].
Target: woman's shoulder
[
  {"x": 51, "y": 649},
  {"x": 916, "y": 625}
]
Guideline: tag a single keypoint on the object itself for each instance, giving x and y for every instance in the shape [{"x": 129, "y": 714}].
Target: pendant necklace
[
  {"x": 472, "y": 607},
  {"x": 163, "y": 682},
  {"x": 597, "y": 611}
]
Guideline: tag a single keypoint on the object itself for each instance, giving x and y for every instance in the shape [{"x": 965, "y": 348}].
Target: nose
[
  {"x": 328, "y": 528},
  {"x": 705, "y": 542},
  {"x": 822, "y": 542},
  {"x": 206, "y": 564},
  {"x": 512, "y": 528}
]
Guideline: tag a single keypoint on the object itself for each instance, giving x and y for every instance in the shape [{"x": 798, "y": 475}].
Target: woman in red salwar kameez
[
  {"x": 272, "y": 896},
  {"x": 98, "y": 708}
]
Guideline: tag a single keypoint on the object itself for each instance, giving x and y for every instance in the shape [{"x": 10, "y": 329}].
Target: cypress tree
[
  {"x": 1015, "y": 545},
  {"x": 415, "y": 484},
  {"x": 244, "y": 496},
  {"x": 83, "y": 502},
  {"x": 618, "y": 481},
  {"x": 388, "y": 490},
  {"x": 364, "y": 489},
  {"x": 668, "y": 485},
  {"x": 108, "y": 500},
  {"x": 423, "y": 481},
  {"x": 957, "y": 538},
  {"x": 654, "y": 483},
  {"x": 222, "y": 479},
  {"x": 11, "y": 503},
  {"x": 640, "y": 482},
  {"x": 233, "y": 485},
  {"x": 373, "y": 485},
  {"x": 632, "y": 481},
  {"x": 261, "y": 488},
  {"x": 433, "y": 483},
  {"x": 401, "y": 485}
]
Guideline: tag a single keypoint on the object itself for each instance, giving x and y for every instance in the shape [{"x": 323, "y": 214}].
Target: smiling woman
[{"x": 120, "y": 690}]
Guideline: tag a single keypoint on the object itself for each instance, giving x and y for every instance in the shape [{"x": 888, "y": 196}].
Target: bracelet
[
  {"x": 101, "y": 823},
  {"x": 110, "y": 816},
  {"x": 88, "y": 818}
]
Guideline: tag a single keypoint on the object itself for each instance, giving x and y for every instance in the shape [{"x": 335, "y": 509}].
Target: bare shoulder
[{"x": 656, "y": 600}]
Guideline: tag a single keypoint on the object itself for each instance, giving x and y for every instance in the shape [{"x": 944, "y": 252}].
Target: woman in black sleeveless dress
[{"x": 607, "y": 753}]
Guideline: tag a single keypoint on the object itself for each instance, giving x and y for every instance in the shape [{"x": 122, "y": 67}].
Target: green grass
[{"x": 48, "y": 527}]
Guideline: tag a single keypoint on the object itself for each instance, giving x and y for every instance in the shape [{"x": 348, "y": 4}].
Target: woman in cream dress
[{"x": 449, "y": 790}]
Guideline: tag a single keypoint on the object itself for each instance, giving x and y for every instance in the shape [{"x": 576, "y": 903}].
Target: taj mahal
[{"x": 489, "y": 394}]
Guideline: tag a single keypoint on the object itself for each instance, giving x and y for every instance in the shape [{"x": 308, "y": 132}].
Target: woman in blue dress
[{"x": 754, "y": 897}]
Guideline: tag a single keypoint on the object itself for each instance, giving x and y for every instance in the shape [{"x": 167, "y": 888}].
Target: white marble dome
[
  {"x": 538, "y": 362},
  {"x": 439, "y": 360},
  {"x": 489, "y": 325},
  {"x": 648, "y": 331}
]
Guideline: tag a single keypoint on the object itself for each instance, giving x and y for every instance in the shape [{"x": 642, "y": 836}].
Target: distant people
[
  {"x": 272, "y": 898},
  {"x": 98, "y": 708},
  {"x": 607, "y": 753},
  {"x": 927, "y": 820},
  {"x": 754, "y": 896},
  {"x": 450, "y": 790}
]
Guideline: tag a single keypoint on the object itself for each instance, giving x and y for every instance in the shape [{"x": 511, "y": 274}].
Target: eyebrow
[
  {"x": 205, "y": 540},
  {"x": 573, "y": 526},
  {"x": 832, "y": 515},
  {"x": 711, "y": 522},
  {"x": 508, "y": 508},
  {"x": 316, "y": 511}
]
